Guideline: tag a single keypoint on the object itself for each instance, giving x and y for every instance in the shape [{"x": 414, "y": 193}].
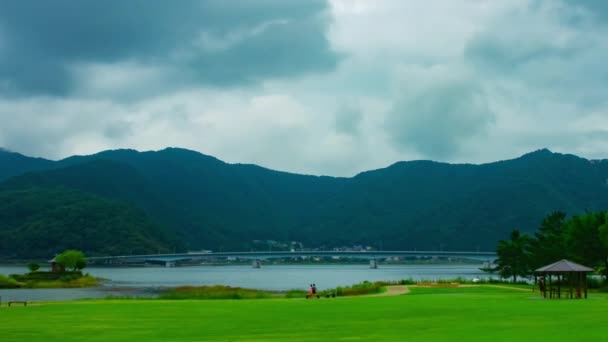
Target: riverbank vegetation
[
  {"x": 216, "y": 292},
  {"x": 44, "y": 280},
  {"x": 228, "y": 292},
  {"x": 58, "y": 277},
  {"x": 360, "y": 289},
  {"x": 47, "y": 280}
]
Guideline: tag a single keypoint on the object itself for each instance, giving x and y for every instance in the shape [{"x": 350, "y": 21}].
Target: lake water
[{"x": 148, "y": 281}]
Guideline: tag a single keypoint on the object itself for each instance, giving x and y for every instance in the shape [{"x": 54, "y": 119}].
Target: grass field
[{"x": 426, "y": 314}]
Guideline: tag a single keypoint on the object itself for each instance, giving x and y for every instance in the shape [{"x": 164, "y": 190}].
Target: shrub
[
  {"x": 214, "y": 292},
  {"x": 363, "y": 288},
  {"x": 8, "y": 282},
  {"x": 408, "y": 281},
  {"x": 595, "y": 283},
  {"x": 33, "y": 267}
]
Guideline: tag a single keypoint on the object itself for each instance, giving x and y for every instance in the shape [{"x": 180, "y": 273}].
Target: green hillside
[
  {"x": 40, "y": 222},
  {"x": 13, "y": 164},
  {"x": 206, "y": 203}
]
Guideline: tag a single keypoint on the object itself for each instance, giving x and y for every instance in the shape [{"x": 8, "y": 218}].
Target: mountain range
[{"x": 125, "y": 201}]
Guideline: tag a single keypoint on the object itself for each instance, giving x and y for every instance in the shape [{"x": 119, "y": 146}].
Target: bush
[
  {"x": 408, "y": 281},
  {"x": 33, "y": 267},
  {"x": 363, "y": 288},
  {"x": 595, "y": 283},
  {"x": 55, "y": 280},
  {"x": 8, "y": 282},
  {"x": 47, "y": 276}
]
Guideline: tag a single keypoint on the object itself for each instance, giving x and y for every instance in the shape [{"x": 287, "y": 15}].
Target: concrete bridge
[{"x": 171, "y": 260}]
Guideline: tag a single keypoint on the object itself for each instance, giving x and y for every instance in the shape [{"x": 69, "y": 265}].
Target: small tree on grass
[
  {"x": 513, "y": 258},
  {"x": 72, "y": 259},
  {"x": 33, "y": 267}
]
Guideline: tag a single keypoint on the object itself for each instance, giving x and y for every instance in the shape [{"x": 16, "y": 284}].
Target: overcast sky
[{"x": 316, "y": 87}]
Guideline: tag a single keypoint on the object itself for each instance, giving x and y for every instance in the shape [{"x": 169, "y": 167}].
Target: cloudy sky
[{"x": 321, "y": 87}]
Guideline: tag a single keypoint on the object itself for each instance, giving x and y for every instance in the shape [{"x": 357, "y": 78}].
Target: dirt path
[
  {"x": 395, "y": 290},
  {"x": 510, "y": 288}
]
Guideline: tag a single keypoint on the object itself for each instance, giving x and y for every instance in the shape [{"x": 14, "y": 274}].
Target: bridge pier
[
  {"x": 256, "y": 263},
  {"x": 373, "y": 263},
  {"x": 169, "y": 263}
]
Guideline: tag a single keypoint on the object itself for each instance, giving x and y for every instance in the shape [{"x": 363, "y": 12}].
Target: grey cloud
[
  {"x": 348, "y": 120},
  {"x": 436, "y": 121},
  {"x": 44, "y": 39},
  {"x": 118, "y": 130},
  {"x": 506, "y": 52},
  {"x": 597, "y": 8},
  {"x": 552, "y": 55}
]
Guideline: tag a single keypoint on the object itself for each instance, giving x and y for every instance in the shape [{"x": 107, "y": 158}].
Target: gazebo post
[
  {"x": 559, "y": 285},
  {"x": 585, "y": 284},
  {"x": 579, "y": 285},
  {"x": 550, "y": 287},
  {"x": 570, "y": 279}
]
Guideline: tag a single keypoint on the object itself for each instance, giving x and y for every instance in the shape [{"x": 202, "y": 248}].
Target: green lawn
[{"x": 426, "y": 314}]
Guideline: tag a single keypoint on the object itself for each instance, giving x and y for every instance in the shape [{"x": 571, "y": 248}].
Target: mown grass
[{"x": 472, "y": 314}]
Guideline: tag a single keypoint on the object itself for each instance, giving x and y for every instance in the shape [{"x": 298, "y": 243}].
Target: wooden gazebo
[{"x": 570, "y": 275}]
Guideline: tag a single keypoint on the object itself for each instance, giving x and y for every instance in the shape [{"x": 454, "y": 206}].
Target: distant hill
[
  {"x": 38, "y": 222},
  {"x": 12, "y": 164},
  {"x": 206, "y": 203}
]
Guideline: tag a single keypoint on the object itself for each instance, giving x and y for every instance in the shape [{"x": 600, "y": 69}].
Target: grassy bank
[
  {"x": 45, "y": 280},
  {"x": 478, "y": 313}
]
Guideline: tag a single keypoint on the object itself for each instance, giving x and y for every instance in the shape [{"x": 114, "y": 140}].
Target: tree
[
  {"x": 72, "y": 259},
  {"x": 549, "y": 243},
  {"x": 513, "y": 256},
  {"x": 584, "y": 239},
  {"x": 603, "y": 232},
  {"x": 33, "y": 267}
]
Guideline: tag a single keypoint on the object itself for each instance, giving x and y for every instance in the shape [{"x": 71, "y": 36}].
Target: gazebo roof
[{"x": 564, "y": 266}]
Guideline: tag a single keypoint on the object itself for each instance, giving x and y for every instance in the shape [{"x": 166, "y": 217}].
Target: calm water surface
[{"x": 148, "y": 281}]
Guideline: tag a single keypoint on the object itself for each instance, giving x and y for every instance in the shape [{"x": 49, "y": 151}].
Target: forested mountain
[
  {"x": 12, "y": 164},
  {"x": 206, "y": 203},
  {"x": 38, "y": 222}
]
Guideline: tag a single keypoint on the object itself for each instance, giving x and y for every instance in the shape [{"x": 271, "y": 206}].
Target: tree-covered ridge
[
  {"x": 206, "y": 203},
  {"x": 13, "y": 164},
  {"x": 40, "y": 222}
]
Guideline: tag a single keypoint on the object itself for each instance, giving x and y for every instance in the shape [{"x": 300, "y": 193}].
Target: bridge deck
[{"x": 295, "y": 254}]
